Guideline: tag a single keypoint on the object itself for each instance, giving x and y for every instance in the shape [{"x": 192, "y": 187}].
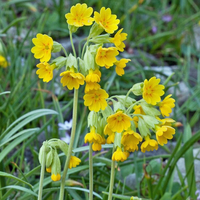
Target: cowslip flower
[
  {"x": 149, "y": 144},
  {"x": 80, "y": 15},
  {"x": 119, "y": 122},
  {"x": 106, "y": 20},
  {"x": 74, "y": 161},
  {"x": 48, "y": 169},
  {"x": 43, "y": 46},
  {"x": 45, "y": 71},
  {"x": 72, "y": 79},
  {"x": 106, "y": 56},
  {"x": 164, "y": 133},
  {"x": 96, "y": 99},
  {"x": 130, "y": 140},
  {"x": 92, "y": 136},
  {"x": 120, "y": 65},
  {"x": 119, "y": 155},
  {"x": 55, "y": 177},
  {"x": 111, "y": 138},
  {"x": 96, "y": 146},
  {"x": 166, "y": 105},
  {"x": 152, "y": 91},
  {"x": 118, "y": 40},
  {"x": 3, "y": 62},
  {"x": 137, "y": 110},
  {"x": 92, "y": 80}
]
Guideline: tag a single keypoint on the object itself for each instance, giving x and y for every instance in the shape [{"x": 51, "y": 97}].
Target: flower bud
[
  {"x": 92, "y": 119},
  {"x": 63, "y": 147},
  {"x": 144, "y": 131},
  {"x": 137, "y": 89},
  {"x": 82, "y": 66},
  {"x": 55, "y": 168},
  {"x": 56, "y": 47},
  {"x": 71, "y": 62},
  {"x": 49, "y": 158},
  {"x": 126, "y": 101},
  {"x": 60, "y": 61},
  {"x": 72, "y": 28},
  {"x": 95, "y": 30},
  {"x": 43, "y": 150},
  {"x": 101, "y": 39}
]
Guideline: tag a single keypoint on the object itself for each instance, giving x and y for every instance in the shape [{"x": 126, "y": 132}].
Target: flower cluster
[
  {"x": 85, "y": 69},
  {"x": 52, "y": 161},
  {"x": 132, "y": 124}
]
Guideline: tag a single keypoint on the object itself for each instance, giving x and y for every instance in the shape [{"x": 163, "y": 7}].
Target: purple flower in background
[
  {"x": 66, "y": 126},
  {"x": 154, "y": 29},
  {"x": 198, "y": 193},
  {"x": 66, "y": 138},
  {"x": 167, "y": 18}
]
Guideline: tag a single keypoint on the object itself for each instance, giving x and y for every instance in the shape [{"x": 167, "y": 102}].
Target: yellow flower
[
  {"x": 96, "y": 146},
  {"x": 166, "y": 105},
  {"x": 43, "y": 46},
  {"x": 92, "y": 80},
  {"x": 72, "y": 79},
  {"x": 120, "y": 65},
  {"x": 119, "y": 155},
  {"x": 111, "y": 138},
  {"x": 149, "y": 145},
  {"x": 106, "y": 56},
  {"x": 55, "y": 177},
  {"x": 138, "y": 110},
  {"x": 130, "y": 140},
  {"x": 80, "y": 15},
  {"x": 118, "y": 40},
  {"x": 167, "y": 121},
  {"x": 96, "y": 99},
  {"x": 119, "y": 122},
  {"x": 152, "y": 91},
  {"x": 3, "y": 62},
  {"x": 93, "y": 136},
  {"x": 48, "y": 169},
  {"x": 45, "y": 71},
  {"x": 163, "y": 133},
  {"x": 74, "y": 161},
  {"x": 106, "y": 20}
]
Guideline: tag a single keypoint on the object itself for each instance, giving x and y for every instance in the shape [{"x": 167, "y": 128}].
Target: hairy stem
[{"x": 91, "y": 173}]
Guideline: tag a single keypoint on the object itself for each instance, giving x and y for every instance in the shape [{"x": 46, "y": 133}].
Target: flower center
[{"x": 46, "y": 47}]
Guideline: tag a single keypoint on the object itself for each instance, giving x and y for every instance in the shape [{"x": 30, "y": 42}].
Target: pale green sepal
[
  {"x": 133, "y": 126},
  {"x": 149, "y": 109},
  {"x": 100, "y": 125},
  {"x": 56, "y": 166},
  {"x": 101, "y": 39},
  {"x": 49, "y": 158},
  {"x": 56, "y": 47},
  {"x": 117, "y": 141},
  {"x": 72, "y": 28},
  {"x": 43, "y": 150},
  {"x": 150, "y": 121},
  {"x": 71, "y": 62},
  {"x": 126, "y": 101},
  {"x": 92, "y": 119},
  {"x": 107, "y": 112},
  {"x": 137, "y": 89},
  {"x": 82, "y": 66},
  {"x": 63, "y": 147},
  {"x": 144, "y": 131},
  {"x": 95, "y": 30},
  {"x": 118, "y": 106},
  {"x": 60, "y": 61}
]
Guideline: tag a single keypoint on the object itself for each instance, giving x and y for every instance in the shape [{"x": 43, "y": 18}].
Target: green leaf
[
  {"x": 14, "y": 177},
  {"x": 23, "y": 189}
]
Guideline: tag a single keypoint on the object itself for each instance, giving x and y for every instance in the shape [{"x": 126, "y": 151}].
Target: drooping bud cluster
[{"x": 52, "y": 160}]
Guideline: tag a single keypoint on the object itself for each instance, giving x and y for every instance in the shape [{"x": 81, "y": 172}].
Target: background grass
[{"x": 173, "y": 44}]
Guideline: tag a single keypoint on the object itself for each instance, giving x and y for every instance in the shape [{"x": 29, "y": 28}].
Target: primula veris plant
[{"x": 128, "y": 124}]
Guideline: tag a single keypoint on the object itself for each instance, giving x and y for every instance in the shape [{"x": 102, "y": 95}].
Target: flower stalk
[
  {"x": 74, "y": 119},
  {"x": 90, "y": 173},
  {"x": 42, "y": 176}
]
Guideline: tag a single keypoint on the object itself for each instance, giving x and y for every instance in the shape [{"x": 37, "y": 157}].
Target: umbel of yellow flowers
[{"x": 129, "y": 124}]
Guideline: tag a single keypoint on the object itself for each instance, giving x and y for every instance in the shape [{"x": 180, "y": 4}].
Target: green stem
[
  {"x": 112, "y": 177},
  {"x": 90, "y": 173},
  {"x": 42, "y": 176},
  {"x": 64, "y": 51},
  {"x": 85, "y": 45},
  {"x": 71, "y": 40},
  {"x": 74, "y": 118}
]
